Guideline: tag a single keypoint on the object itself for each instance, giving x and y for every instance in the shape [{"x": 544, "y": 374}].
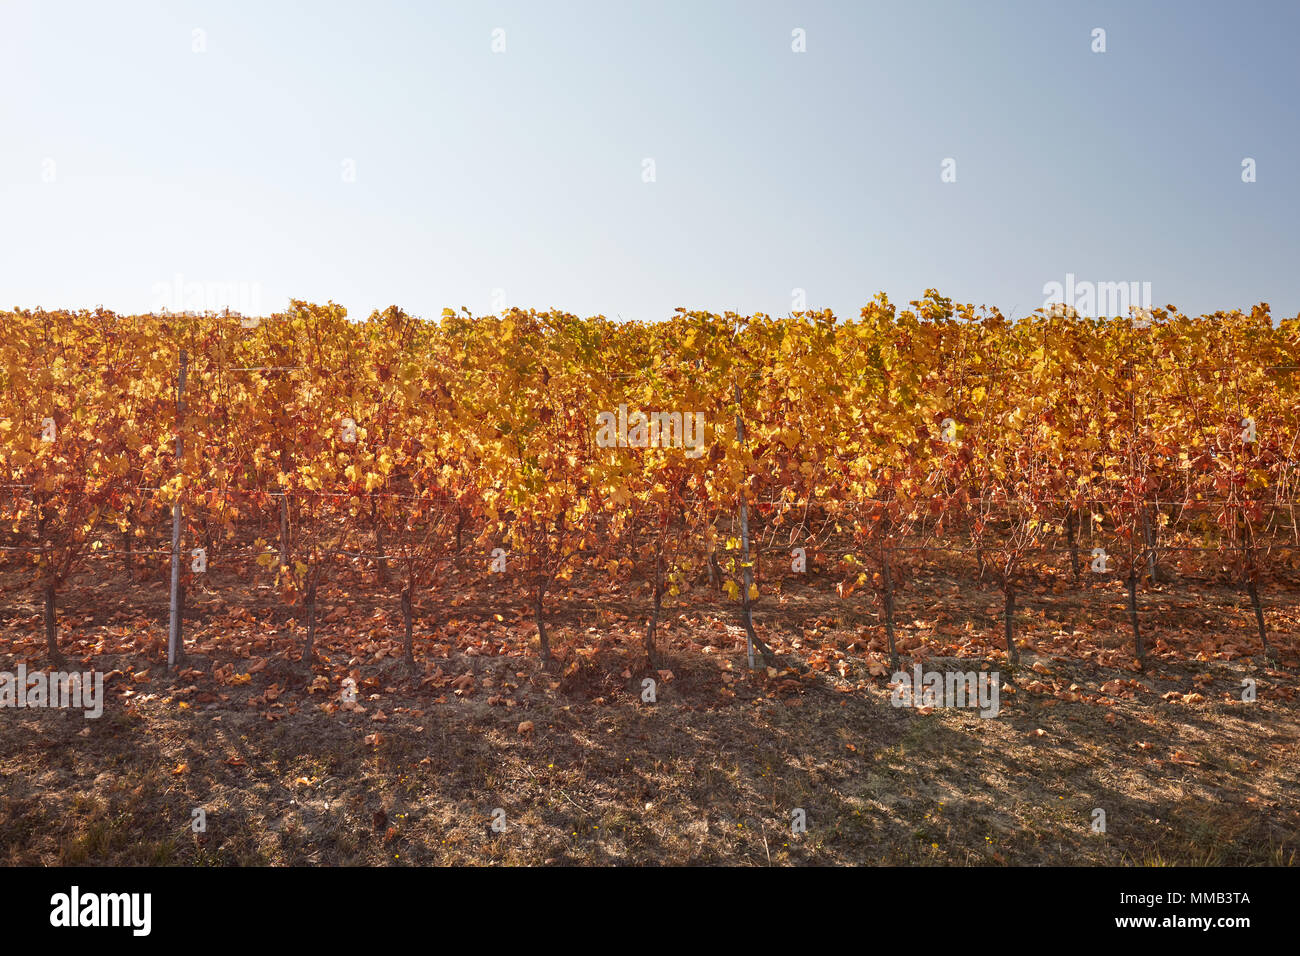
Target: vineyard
[{"x": 281, "y": 503}]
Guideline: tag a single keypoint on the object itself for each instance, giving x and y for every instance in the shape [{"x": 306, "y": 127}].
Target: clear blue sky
[{"x": 522, "y": 170}]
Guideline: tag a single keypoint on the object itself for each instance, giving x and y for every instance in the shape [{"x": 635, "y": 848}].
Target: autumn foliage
[{"x": 1122, "y": 446}]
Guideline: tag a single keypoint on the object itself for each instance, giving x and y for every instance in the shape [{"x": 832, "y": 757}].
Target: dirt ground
[{"x": 575, "y": 768}]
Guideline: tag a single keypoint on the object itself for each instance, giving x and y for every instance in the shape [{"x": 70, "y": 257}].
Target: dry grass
[{"x": 709, "y": 774}]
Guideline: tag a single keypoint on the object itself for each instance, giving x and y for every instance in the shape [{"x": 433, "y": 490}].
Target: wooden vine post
[
  {"x": 174, "y": 615},
  {"x": 747, "y": 572},
  {"x": 752, "y": 640}
]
